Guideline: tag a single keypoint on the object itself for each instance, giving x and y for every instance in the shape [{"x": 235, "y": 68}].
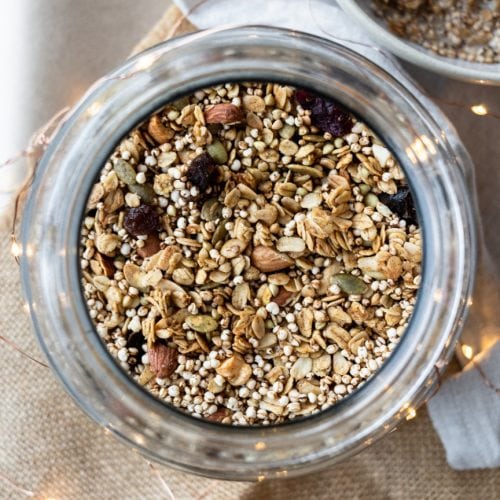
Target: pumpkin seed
[
  {"x": 145, "y": 191},
  {"x": 218, "y": 152},
  {"x": 180, "y": 103},
  {"x": 125, "y": 171},
  {"x": 352, "y": 285},
  {"x": 371, "y": 200},
  {"x": 211, "y": 210},
  {"x": 202, "y": 323},
  {"x": 364, "y": 188},
  {"x": 220, "y": 233}
]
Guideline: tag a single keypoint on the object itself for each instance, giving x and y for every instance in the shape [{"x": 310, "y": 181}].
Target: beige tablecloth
[{"x": 49, "y": 448}]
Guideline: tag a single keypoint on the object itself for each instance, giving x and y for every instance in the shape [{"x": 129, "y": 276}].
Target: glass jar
[{"x": 436, "y": 167}]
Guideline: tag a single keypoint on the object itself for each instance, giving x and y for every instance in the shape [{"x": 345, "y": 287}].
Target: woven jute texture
[{"x": 49, "y": 447}]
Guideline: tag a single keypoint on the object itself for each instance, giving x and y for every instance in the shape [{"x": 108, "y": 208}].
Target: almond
[
  {"x": 224, "y": 113},
  {"x": 150, "y": 247},
  {"x": 268, "y": 260},
  {"x": 283, "y": 297},
  {"x": 219, "y": 415},
  {"x": 162, "y": 360}
]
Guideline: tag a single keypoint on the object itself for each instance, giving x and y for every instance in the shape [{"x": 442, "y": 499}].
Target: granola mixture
[
  {"x": 463, "y": 29},
  {"x": 251, "y": 253}
]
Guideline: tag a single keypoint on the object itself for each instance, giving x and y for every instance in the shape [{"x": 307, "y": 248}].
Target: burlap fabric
[{"x": 50, "y": 448}]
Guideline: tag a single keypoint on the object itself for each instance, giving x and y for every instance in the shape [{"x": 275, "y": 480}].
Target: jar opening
[
  {"x": 242, "y": 253},
  {"x": 431, "y": 157}
]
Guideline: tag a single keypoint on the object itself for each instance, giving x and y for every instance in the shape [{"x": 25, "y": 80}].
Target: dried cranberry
[
  {"x": 401, "y": 203},
  {"x": 141, "y": 220},
  {"x": 201, "y": 172},
  {"x": 325, "y": 114}
]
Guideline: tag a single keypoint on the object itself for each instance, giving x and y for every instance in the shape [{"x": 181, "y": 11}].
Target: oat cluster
[
  {"x": 460, "y": 29},
  {"x": 243, "y": 264}
]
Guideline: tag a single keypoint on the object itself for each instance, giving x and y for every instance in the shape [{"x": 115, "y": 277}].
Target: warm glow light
[
  {"x": 479, "y": 109},
  {"x": 145, "y": 62},
  {"x": 94, "y": 108},
  {"x": 420, "y": 149},
  {"x": 260, "y": 446},
  {"x": 438, "y": 295},
  {"x": 429, "y": 144},
  {"x": 16, "y": 249},
  {"x": 467, "y": 351},
  {"x": 412, "y": 413}
]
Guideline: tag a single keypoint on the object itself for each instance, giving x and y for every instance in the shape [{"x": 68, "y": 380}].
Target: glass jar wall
[{"x": 435, "y": 165}]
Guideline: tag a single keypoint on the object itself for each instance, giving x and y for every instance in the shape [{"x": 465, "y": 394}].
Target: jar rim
[{"x": 430, "y": 154}]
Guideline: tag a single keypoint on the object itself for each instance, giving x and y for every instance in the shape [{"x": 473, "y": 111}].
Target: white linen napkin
[{"x": 466, "y": 411}]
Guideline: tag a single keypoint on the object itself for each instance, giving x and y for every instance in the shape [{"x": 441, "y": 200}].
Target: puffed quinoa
[
  {"x": 461, "y": 29},
  {"x": 251, "y": 259}
]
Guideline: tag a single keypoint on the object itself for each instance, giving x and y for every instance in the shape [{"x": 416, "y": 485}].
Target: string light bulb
[
  {"x": 411, "y": 413},
  {"x": 479, "y": 109},
  {"x": 16, "y": 249},
  {"x": 467, "y": 351}
]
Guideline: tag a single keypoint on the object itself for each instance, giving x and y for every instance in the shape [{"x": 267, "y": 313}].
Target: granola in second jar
[
  {"x": 251, "y": 253},
  {"x": 459, "y": 29}
]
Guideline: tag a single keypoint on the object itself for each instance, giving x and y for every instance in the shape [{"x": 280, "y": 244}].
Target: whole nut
[
  {"x": 162, "y": 360},
  {"x": 219, "y": 415},
  {"x": 268, "y": 260},
  {"x": 150, "y": 247},
  {"x": 224, "y": 113}
]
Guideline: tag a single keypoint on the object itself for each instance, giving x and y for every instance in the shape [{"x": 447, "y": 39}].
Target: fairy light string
[{"x": 45, "y": 136}]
